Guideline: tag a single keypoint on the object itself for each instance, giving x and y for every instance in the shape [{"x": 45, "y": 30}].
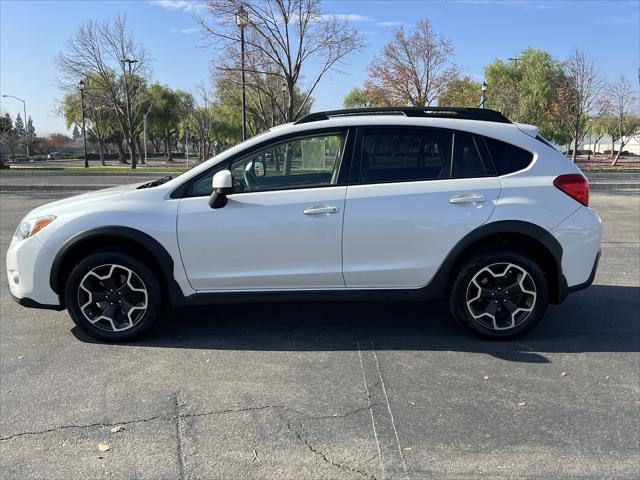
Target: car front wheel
[
  {"x": 499, "y": 294},
  {"x": 113, "y": 296}
]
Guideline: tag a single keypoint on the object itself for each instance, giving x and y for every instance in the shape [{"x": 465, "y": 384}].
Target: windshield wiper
[{"x": 155, "y": 183}]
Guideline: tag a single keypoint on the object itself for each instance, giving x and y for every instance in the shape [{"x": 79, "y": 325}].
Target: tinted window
[
  {"x": 467, "y": 161},
  {"x": 310, "y": 161},
  {"x": 508, "y": 158},
  {"x": 405, "y": 156}
]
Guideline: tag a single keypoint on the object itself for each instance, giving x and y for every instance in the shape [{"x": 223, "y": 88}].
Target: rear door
[{"x": 415, "y": 193}]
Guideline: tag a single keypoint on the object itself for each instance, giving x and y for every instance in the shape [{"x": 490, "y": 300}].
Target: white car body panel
[
  {"x": 396, "y": 235},
  {"x": 263, "y": 240}
]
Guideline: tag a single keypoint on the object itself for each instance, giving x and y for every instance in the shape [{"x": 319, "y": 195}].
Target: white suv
[{"x": 403, "y": 203}]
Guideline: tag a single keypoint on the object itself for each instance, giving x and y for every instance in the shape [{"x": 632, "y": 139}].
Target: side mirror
[
  {"x": 258, "y": 169},
  {"x": 222, "y": 183}
]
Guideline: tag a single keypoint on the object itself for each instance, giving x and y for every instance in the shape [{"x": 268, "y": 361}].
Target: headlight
[{"x": 32, "y": 226}]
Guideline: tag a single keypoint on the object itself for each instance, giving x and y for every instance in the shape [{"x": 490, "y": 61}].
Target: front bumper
[
  {"x": 28, "y": 268},
  {"x": 30, "y": 303}
]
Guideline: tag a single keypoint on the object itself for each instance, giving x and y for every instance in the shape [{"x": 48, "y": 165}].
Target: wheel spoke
[
  {"x": 501, "y": 296},
  {"x": 112, "y": 297}
]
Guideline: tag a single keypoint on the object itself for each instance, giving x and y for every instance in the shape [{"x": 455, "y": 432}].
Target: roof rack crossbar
[{"x": 461, "y": 113}]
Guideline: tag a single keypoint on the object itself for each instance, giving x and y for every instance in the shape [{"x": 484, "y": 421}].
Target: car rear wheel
[
  {"x": 499, "y": 294},
  {"x": 112, "y": 296}
]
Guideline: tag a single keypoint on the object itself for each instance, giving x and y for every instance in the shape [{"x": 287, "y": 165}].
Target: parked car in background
[{"x": 451, "y": 204}]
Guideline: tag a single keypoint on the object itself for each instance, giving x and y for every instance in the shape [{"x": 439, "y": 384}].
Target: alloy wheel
[
  {"x": 112, "y": 297},
  {"x": 501, "y": 296}
]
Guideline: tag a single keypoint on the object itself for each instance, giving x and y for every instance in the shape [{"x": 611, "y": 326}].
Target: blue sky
[{"x": 32, "y": 33}]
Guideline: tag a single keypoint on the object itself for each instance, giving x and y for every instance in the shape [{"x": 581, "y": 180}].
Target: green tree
[
  {"x": 167, "y": 109},
  {"x": 76, "y": 133},
  {"x": 18, "y": 126},
  {"x": 356, "y": 98},
  {"x": 461, "y": 92},
  {"x": 6, "y": 133},
  {"x": 524, "y": 88}
]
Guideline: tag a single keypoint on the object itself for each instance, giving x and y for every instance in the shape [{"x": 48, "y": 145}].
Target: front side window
[
  {"x": 405, "y": 156},
  {"x": 302, "y": 162}
]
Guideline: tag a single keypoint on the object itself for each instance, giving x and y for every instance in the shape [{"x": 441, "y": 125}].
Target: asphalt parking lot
[{"x": 344, "y": 390}]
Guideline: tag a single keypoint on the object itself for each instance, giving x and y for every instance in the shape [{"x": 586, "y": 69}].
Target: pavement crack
[
  {"x": 182, "y": 460},
  {"x": 89, "y": 425},
  {"x": 299, "y": 432}
]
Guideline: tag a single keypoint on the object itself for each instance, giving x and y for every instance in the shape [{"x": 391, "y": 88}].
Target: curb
[
  {"x": 52, "y": 188},
  {"x": 8, "y": 174},
  {"x": 80, "y": 188}
]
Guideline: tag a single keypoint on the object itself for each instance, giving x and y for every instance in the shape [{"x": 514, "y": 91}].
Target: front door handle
[
  {"x": 320, "y": 210},
  {"x": 466, "y": 198}
]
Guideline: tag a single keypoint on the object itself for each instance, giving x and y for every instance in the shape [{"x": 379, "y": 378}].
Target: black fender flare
[
  {"x": 155, "y": 248},
  {"x": 443, "y": 274}
]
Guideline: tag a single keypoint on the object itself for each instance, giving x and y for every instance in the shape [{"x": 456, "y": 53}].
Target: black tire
[
  {"x": 505, "y": 323},
  {"x": 145, "y": 307}
]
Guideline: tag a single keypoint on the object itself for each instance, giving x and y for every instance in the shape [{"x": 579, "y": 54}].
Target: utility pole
[
  {"x": 132, "y": 146},
  {"x": 242, "y": 19},
  {"x": 84, "y": 130}
]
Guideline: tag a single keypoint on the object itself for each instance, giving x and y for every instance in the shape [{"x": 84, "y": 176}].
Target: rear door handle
[
  {"x": 320, "y": 210},
  {"x": 466, "y": 198}
]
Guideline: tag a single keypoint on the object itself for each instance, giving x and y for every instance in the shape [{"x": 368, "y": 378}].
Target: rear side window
[
  {"x": 391, "y": 156},
  {"x": 508, "y": 158},
  {"x": 467, "y": 162}
]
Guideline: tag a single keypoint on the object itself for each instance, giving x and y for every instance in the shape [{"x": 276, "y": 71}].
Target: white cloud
[
  {"x": 185, "y": 31},
  {"x": 389, "y": 24},
  {"x": 184, "y": 5}
]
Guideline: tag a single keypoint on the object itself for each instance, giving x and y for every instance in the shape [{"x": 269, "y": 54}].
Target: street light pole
[
  {"x": 242, "y": 19},
  {"x": 484, "y": 89},
  {"x": 24, "y": 112},
  {"x": 186, "y": 145},
  {"x": 132, "y": 142},
  {"x": 144, "y": 125},
  {"x": 84, "y": 130}
]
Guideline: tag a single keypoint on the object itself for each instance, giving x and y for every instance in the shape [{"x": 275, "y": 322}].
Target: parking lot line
[{"x": 392, "y": 461}]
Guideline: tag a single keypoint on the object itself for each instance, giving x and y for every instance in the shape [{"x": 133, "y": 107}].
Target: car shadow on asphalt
[{"x": 603, "y": 318}]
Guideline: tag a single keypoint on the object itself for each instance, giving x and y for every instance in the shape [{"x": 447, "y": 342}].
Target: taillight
[{"x": 574, "y": 185}]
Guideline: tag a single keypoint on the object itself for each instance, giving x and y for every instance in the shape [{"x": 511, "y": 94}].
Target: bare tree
[
  {"x": 289, "y": 39},
  {"x": 414, "y": 68},
  {"x": 622, "y": 106},
  {"x": 108, "y": 53},
  {"x": 582, "y": 88}
]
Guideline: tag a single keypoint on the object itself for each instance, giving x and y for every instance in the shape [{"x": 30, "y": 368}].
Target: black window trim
[
  {"x": 355, "y": 172},
  {"x": 184, "y": 190}
]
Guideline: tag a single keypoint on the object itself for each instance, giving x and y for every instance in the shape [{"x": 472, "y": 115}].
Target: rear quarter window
[{"x": 508, "y": 158}]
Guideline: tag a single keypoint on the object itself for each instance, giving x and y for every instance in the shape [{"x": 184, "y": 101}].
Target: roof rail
[{"x": 428, "y": 112}]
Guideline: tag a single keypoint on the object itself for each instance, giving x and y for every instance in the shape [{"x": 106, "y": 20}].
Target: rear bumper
[{"x": 582, "y": 286}]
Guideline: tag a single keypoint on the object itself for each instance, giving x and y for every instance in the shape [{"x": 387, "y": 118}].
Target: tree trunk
[
  {"x": 615, "y": 160},
  {"x": 101, "y": 150},
  {"x": 574, "y": 154},
  {"x": 121, "y": 154},
  {"x": 140, "y": 150},
  {"x": 168, "y": 150}
]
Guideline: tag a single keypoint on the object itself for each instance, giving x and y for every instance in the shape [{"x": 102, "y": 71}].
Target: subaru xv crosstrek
[{"x": 450, "y": 204}]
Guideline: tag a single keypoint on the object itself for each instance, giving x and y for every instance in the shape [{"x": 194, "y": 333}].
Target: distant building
[{"x": 605, "y": 144}]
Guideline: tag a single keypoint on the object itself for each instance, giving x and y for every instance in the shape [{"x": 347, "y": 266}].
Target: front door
[{"x": 282, "y": 226}]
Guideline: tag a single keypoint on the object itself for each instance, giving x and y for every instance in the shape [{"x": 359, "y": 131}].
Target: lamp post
[
  {"x": 24, "y": 111},
  {"x": 484, "y": 89},
  {"x": 84, "y": 130},
  {"x": 186, "y": 145},
  {"x": 132, "y": 142},
  {"x": 242, "y": 19}
]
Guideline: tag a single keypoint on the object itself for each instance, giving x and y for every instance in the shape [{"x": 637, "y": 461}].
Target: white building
[{"x": 633, "y": 146}]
